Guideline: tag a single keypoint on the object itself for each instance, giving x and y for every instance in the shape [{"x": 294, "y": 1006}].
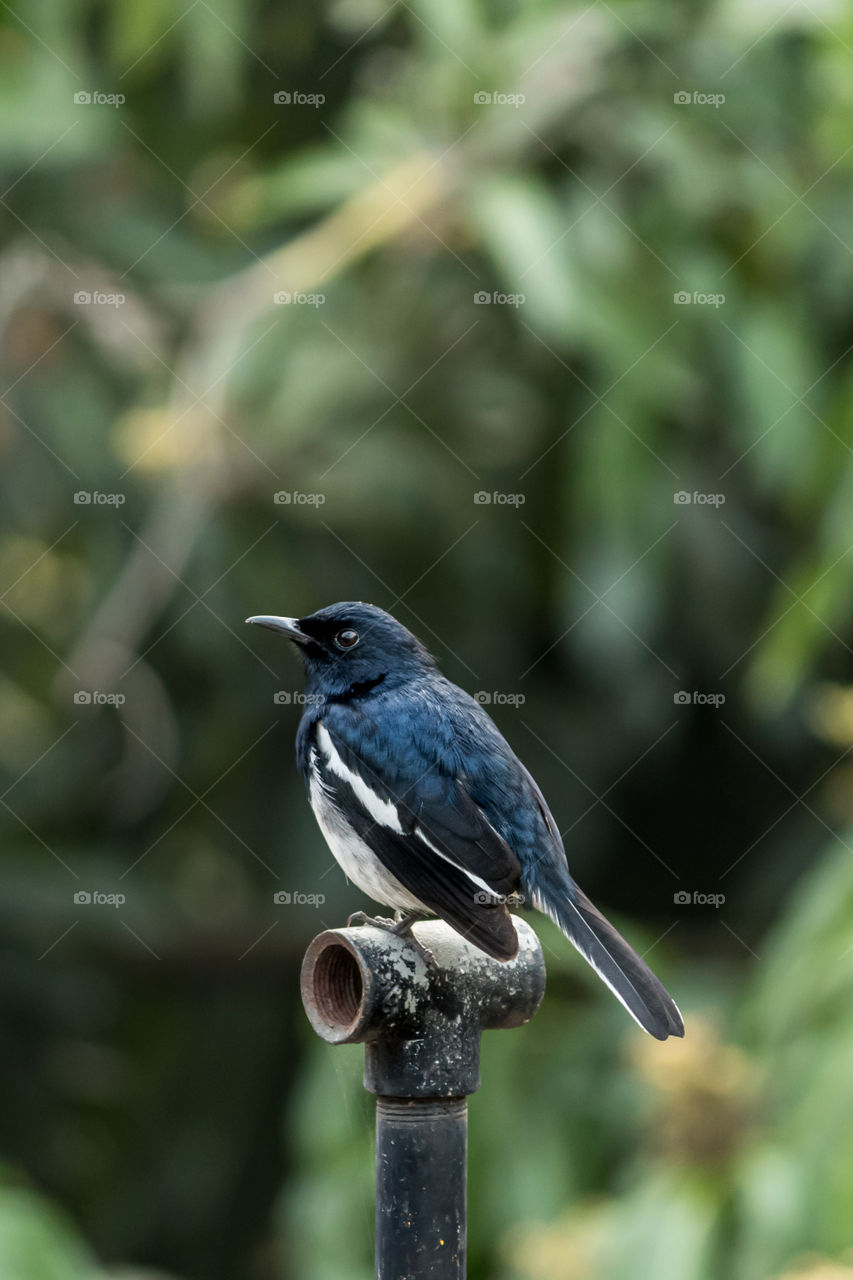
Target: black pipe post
[{"x": 420, "y": 1024}]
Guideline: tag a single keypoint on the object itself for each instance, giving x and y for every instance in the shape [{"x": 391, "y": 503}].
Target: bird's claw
[
  {"x": 403, "y": 930},
  {"x": 424, "y": 952},
  {"x": 378, "y": 922},
  {"x": 401, "y": 927}
]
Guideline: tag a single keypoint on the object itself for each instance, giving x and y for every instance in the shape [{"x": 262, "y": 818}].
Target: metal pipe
[
  {"x": 421, "y": 1193},
  {"x": 420, "y": 1024}
]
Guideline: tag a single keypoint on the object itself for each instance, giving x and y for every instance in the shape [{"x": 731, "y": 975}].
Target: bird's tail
[{"x": 616, "y": 963}]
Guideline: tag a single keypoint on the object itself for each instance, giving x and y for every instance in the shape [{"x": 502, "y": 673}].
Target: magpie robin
[{"x": 426, "y": 807}]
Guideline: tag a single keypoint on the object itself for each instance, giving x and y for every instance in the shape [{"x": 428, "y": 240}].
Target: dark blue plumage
[{"x": 426, "y": 806}]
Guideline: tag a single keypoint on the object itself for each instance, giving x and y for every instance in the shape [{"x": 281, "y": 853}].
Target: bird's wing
[{"x": 427, "y": 832}]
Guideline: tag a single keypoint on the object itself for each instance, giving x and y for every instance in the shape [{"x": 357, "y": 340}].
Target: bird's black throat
[{"x": 359, "y": 689}]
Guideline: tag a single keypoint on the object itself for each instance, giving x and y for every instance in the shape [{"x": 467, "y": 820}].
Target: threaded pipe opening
[{"x": 338, "y": 989}]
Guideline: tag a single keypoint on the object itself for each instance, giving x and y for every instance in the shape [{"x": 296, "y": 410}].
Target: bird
[{"x": 427, "y": 808}]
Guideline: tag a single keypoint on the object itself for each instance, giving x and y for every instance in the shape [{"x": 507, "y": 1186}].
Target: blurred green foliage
[{"x": 673, "y": 318}]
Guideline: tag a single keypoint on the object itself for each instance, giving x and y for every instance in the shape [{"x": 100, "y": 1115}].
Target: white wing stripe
[
  {"x": 381, "y": 811},
  {"x": 419, "y": 831}
]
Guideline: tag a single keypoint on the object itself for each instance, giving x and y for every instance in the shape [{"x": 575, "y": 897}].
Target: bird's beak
[{"x": 284, "y": 626}]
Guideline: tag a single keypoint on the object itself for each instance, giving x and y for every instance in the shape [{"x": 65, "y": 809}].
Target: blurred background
[{"x": 530, "y": 323}]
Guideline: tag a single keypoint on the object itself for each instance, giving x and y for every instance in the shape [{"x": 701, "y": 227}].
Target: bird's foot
[
  {"x": 401, "y": 927},
  {"x": 378, "y": 922}
]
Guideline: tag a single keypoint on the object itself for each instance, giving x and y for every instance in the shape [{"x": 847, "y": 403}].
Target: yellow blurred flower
[
  {"x": 156, "y": 440},
  {"x": 567, "y": 1249},
  {"x": 830, "y": 713},
  {"x": 813, "y": 1267},
  {"x": 705, "y": 1093},
  {"x": 44, "y": 588}
]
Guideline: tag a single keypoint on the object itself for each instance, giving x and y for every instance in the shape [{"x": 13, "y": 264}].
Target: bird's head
[{"x": 351, "y": 644}]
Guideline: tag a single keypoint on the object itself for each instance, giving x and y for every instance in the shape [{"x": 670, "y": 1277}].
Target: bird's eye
[{"x": 347, "y": 638}]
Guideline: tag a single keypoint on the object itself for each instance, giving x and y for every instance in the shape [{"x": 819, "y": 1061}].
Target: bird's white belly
[{"x": 360, "y": 864}]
